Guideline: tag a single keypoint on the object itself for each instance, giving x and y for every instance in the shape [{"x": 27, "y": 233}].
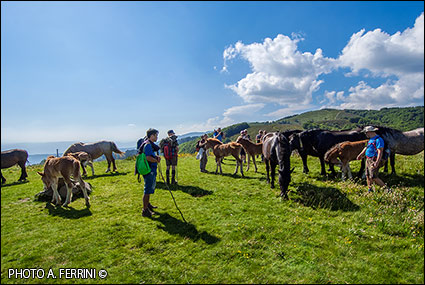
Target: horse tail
[
  {"x": 116, "y": 150},
  {"x": 331, "y": 153}
]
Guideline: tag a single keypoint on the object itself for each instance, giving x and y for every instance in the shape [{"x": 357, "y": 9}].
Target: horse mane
[{"x": 214, "y": 140}]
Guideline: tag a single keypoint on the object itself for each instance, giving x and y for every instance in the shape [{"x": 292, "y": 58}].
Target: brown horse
[
  {"x": 252, "y": 149},
  {"x": 342, "y": 153},
  {"x": 65, "y": 167},
  {"x": 11, "y": 157},
  {"x": 96, "y": 150},
  {"x": 221, "y": 150},
  {"x": 84, "y": 158}
]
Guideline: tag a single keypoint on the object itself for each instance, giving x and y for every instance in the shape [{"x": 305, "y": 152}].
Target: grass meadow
[{"x": 238, "y": 231}]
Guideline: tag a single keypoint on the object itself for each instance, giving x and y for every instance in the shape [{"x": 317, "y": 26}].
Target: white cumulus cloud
[{"x": 280, "y": 73}]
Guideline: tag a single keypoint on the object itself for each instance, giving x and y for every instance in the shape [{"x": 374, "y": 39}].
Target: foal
[
  {"x": 64, "y": 166},
  {"x": 221, "y": 150},
  {"x": 252, "y": 149},
  {"x": 84, "y": 158},
  {"x": 346, "y": 152}
]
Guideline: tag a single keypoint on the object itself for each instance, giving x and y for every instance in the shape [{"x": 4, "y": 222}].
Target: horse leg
[
  {"x": 273, "y": 173},
  {"x": 92, "y": 168},
  {"x": 386, "y": 166},
  {"x": 350, "y": 175},
  {"x": 83, "y": 166},
  {"x": 248, "y": 158},
  {"x": 68, "y": 185},
  {"x": 238, "y": 162},
  {"x": 56, "y": 196},
  {"x": 114, "y": 167},
  {"x": 332, "y": 169},
  {"x": 23, "y": 171},
  {"x": 362, "y": 167},
  {"x": 392, "y": 162},
  {"x": 255, "y": 163},
  {"x": 304, "y": 159},
  {"x": 267, "y": 169},
  {"x": 322, "y": 165},
  {"x": 109, "y": 158},
  {"x": 83, "y": 186},
  {"x": 3, "y": 180}
]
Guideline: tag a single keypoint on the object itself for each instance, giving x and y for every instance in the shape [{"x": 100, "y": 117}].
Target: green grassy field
[{"x": 238, "y": 230}]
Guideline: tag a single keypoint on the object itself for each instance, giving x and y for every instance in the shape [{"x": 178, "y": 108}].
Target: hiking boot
[
  {"x": 147, "y": 213},
  {"x": 151, "y": 207}
]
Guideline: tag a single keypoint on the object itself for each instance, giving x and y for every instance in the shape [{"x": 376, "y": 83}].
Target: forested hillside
[{"x": 404, "y": 119}]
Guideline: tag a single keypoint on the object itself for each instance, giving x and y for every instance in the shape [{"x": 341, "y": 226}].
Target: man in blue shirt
[
  {"x": 218, "y": 134},
  {"x": 374, "y": 152},
  {"x": 149, "y": 147}
]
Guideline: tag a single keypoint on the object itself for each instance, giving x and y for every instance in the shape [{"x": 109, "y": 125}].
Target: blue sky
[{"x": 87, "y": 71}]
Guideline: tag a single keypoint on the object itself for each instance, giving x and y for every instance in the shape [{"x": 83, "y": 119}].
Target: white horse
[{"x": 96, "y": 150}]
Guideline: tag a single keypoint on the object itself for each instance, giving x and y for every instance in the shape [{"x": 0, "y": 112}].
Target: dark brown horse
[
  {"x": 96, "y": 150},
  {"x": 221, "y": 150},
  {"x": 277, "y": 152},
  {"x": 11, "y": 157}
]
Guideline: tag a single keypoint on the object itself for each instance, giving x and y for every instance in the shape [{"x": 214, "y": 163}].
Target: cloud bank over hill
[{"x": 283, "y": 75}]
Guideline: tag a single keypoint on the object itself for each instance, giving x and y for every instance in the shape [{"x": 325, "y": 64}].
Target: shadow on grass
[
  {"x": 15, "y": 183},
  {"x": 192, "y": 190},
  {"x": 409, "y": 180},
  {"x": 67, "y": 212},
  {"x": 186, "y": 230},
  {"x": 105, "y": 175},
  {"x": 324, "y": 197}
]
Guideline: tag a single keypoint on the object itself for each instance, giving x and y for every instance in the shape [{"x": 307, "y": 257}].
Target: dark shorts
[
  {"x": 150, "y": 183},
  {"x": 172, "y": 161}
]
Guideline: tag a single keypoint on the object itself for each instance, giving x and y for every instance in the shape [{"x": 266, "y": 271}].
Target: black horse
[
  {"x": 317, "y": 142},
  {"x": 277, "y": 151}
]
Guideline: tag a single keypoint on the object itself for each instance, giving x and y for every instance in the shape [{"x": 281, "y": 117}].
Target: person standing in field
[
  {"x": 149, "y": 148},
  {"x": 374, "y": 158},
  {"x": 170, "y": 149},
  {"x": 204, "y": 153}
]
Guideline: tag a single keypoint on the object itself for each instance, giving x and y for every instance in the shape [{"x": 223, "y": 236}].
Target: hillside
[{"x": 404, "y": 119}]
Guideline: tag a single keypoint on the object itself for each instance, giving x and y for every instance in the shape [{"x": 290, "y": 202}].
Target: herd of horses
[{"x": 331, "y": 147}]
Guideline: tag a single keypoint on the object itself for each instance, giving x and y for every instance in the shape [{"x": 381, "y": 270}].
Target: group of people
[{"x": 373, "y": 151}]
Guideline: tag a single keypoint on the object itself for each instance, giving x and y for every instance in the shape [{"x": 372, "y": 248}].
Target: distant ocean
[{"x": 38, "y": 158}]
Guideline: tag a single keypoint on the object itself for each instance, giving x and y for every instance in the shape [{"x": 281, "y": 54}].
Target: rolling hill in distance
[{"x": 406, "y": 118}]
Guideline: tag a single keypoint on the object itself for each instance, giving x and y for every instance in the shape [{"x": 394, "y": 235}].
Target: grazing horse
[
  {"x": 317, "y": 142},
  {"x": 277, "y": 151},
  {"x": 64, "y": 166},
  {"x": 96, "y": 150},
  {"x": 221, "y": 150},
  {"x": 84, "y": 158},
  {"x": 404, "y": 143},
  {"x": 252, "y": 149},
  {"x": 342, "y": 153},
  {"x": 11, "y": 157}
]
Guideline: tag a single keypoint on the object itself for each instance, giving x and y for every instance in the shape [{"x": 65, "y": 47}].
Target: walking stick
[{"x": 160, "y": 172}]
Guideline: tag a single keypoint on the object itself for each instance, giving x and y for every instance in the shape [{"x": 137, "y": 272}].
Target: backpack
[
  {"x": 142, "y": 165},
  {"x": 386, "y": 153},
  {"x": 167, "y": 148}
]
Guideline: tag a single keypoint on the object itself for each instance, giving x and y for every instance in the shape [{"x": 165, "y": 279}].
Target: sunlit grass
[{"x": 238, "y": 231}]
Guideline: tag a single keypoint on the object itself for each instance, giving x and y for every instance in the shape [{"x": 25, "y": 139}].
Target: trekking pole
[{"x": 160, "y": 172}]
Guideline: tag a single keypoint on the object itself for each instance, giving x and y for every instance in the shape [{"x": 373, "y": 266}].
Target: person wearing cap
[
  {"x": 172, "y": 143},
  {"x": 374, "y": 151},
  {"x": 149, "y": 148}
]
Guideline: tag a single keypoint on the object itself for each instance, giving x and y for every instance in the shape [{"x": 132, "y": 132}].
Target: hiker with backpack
[
  {"x": 170, "y": 149},
  {"x": 374, "y": 152},
  {"x": 202, "y": 153},
  {"x": 148, "y": 147}
]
